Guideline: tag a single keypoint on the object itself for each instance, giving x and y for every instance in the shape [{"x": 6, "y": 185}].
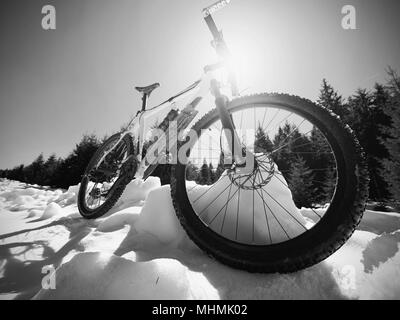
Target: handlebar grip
[{"x": 215, "y": 7}]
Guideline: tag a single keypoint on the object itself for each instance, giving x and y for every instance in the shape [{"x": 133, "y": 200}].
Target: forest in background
[{"x": 374, "y": 115}]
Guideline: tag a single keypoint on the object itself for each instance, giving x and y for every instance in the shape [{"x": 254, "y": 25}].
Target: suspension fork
[{"x": 243, "y": 164}]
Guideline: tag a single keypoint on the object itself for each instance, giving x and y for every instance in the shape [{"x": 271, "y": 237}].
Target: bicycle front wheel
[{"x": 301, "y": 201}]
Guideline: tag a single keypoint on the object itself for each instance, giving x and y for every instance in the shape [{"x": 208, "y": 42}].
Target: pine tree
[
  {"x": 262, "y": 143},
  {"x": 391, "y": 164},
  {"x": 70, "y": 170},
  {"x": 289, "y": 144},
  {"x": 17, "y": 173},
  {"x": 282, "y": 157},
  {"x": 192, "y": 172},
  {"x": 36, "y": 170},
  {"x": 376, "y": 150},
  {"x": 359, "y": 106},
  {"x": 204, "y": 177},
  {"x": 212, "y": 173},
  {"x": 328, "y": 185},
  {"x": 330, "y": 99},
  {"x": 220, "y": 168},
  {"x": 50, "y": 167},
  {"x": 301, "y": 184},
  {"x": 366, "y": 117},
  {"x": 321, "y": 159}
]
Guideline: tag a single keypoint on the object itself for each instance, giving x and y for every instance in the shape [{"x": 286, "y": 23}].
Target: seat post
[{"x": 144, "y": 101}]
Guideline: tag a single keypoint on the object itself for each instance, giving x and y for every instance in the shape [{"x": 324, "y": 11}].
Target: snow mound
[
  {"x": 23, "y": 200},
  {"x": 101, "y": 276},
  {"x": 69, "y": 197},
  {"x": 118, "y": 220},
  {"x": 35, "y": 213},
  {"x": 52, "y": 210},
  {"x": 138, "y": 190},
  {"x": 22, "y": 197},
  {"x": 158, "y": 218}
]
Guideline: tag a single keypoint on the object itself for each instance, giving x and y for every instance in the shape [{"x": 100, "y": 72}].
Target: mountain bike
[{"x": 265, "y": 183}]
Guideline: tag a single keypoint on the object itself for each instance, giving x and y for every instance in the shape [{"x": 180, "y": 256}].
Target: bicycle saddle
[{"x": 149, "y": 89}]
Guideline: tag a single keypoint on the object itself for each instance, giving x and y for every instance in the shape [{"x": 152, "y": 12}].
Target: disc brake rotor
[{"x": 261, "y": 175}]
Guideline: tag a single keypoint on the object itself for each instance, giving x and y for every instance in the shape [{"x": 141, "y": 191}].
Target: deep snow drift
[{"x": 140, "y": 251}]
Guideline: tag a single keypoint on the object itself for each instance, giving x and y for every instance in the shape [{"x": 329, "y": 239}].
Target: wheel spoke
[
  {"x": 226, "y": 203},
  {"x": 277, "y": 220},
  {"x": 276, "y": 201},
  {"x": 226, "y": 208},
  {"x": 266, "y": 216},
  {"x": 210, "y": 203}
]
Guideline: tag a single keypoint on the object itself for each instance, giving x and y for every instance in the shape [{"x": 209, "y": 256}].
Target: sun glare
[{"x": 244, "y": 61}]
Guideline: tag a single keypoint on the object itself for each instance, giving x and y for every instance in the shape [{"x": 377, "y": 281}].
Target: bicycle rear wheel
[
  {"x": 300, "y": 203},
  {"x": 105, "y": 179}
]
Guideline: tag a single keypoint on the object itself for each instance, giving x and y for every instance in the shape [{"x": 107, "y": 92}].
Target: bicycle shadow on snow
[
  {"x": 22, "y": 269},
  {"x": 316, "y": 282}
]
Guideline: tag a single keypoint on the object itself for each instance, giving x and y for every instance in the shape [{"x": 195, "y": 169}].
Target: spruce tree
[
  {"x": 212, "y": 173},
  {"x": 391, "y": 165},
  {"x": 366, "y": 117},
  {"x": 204, "y": 177},
  {"x": 220, "y": 168},
  {"x": 330, "y": 99},
  {"x": 192, "y": 172},
  {"x": 37, "y": 170},
  {"x": 301, "y": 183},
  {"x": 262, "y": 143},
  {"x": 50, "y": 167},
  {"x": 328, "y": 185}
]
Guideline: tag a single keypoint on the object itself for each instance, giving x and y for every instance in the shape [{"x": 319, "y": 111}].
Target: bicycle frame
[{"x": 186, "y": 108}]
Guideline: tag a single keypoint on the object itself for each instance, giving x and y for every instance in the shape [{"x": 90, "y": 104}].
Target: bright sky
[{"x": 57, "y": 85}]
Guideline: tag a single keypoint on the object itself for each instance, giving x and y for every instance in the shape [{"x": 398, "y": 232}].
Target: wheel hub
[{"x": 261, "y": 174}]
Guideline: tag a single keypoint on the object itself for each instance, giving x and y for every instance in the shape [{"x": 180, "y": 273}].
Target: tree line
[
  {"x": 55, "y": 171},
  {"x": 375, "y": 118},
  {"x": 373, "y": 115}
]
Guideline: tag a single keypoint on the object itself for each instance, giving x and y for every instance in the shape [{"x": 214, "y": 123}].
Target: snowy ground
[{"x": 138, "y": 251}]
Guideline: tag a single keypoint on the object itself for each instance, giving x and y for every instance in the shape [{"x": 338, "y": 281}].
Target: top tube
[{"x": 188, "y": 89}]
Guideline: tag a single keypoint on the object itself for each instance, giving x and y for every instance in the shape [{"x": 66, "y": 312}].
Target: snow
[
  {"x": 163, "y": 226},
  {"x": 140, "y": 251},
  {"x": 102, "y": 276},
  {"x": 52, "y": 210},
  {"x": 279, "y": 201}
]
